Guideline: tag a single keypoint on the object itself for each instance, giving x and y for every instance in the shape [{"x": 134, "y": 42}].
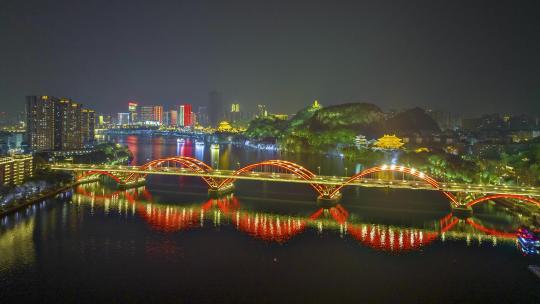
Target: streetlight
[
  {"x": 319, "y": 169},
  {"x": 346, "y": 171}
]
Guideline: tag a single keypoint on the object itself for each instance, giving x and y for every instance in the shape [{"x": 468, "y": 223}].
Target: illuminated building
[
  {"x": 188, "y": 121},
  {"x": 133, "y": 115},
  {"x": 235, "y": 114},
  {"x": 87, "y": 126},
  {"x": 158, "y": 114},
  {"x": 174, "y": 117},
  {"x": 170, "y": 118},
  {"x": 316, "y": 105},
  {"x": 389, "y": 142},
  {"x": 68, "y": 131},
  {"x": 55, "y": 124},
  {"x": 104, "y": 120},
  {"x": 146, "y": 114},
  {"x": 123, "y": 119},
  {"x": 281, "y": 116},
  {"x": 360, "y": 141},
  {"x": 181, "y": 111},
  {"x": 224, "y": 126},
  {"x": 185, "y": 115},
  {"x": 13, "y": 169},
  {"x": 40, "y": 115},
  {"x": 151, "y": 114}
]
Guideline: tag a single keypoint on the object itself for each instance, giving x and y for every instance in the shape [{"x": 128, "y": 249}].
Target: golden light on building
[
  {"x": 224, "y": 126},
  {"x": 14, "y": 169},
  {"x": 316, "y": 105},
  {"x": 281, "y": 116},
  {"x": 390, "y": 142}
]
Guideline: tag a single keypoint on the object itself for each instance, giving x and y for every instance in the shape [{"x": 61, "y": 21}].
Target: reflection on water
[
  {"x": 16, "y": 242},
  {"x": 228, "y": 210}
]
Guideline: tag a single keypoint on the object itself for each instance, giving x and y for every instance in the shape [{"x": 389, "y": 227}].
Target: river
[{"x": 266, "y": 243}]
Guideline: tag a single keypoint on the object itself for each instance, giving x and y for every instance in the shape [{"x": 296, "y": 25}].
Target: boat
[
  {"x": 535, "y": 269},
  {"x": 215, "y": 146},
  {"x": 180, "y": 140},
  {"x": 528, "y": 237},
  {"x": 199, "y": 143},
  {"x": 529, "y": 241}
]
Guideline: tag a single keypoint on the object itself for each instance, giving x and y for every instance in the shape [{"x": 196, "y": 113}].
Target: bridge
[
  {"x": 282, "y": 228},
  {"x": 327, "y": 187}
]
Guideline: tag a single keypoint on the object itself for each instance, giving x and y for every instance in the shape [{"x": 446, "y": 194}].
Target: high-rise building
[
  {"x": 68, "y": 125},
  {"x": 158, "y": 114},
  {"x": 174, "y": 117},
  {"x": 123, "y": 119},
  {"x": 235, "y": 114},
  {"x": 88, "y": 126},
  {"x": 133, "y": 114},
  {"x": 188, "y": 113},
  {"x": 146, "y": 114},
  {"x": 181, "y": 111},
  {"x": 40, "y": 118},
  {"x": 202, "y": 115},
  {"x": 167, "y": 118},
  {"x": 215, "y": 107},
  {"x": 54, "y": 124},
  {"x": 151, "y": 114},
  {"x": 185, "y": 115}
]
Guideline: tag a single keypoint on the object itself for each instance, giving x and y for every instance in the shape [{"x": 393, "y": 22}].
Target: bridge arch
[
  {"x": 288, "y": 166},
  {"x": 400, "y": 169},
  {"x": 496, "y": 196},
  {"x": 190, "y": 163},
  {"x": 101, "y": 172}
]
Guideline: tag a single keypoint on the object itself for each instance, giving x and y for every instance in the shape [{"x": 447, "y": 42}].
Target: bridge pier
[
  {"x": 217, "y": 192},
  {"x": 328, "y": 202},
  {"x": 133, "y": 184},
  {"x": 463, "y": 211}
]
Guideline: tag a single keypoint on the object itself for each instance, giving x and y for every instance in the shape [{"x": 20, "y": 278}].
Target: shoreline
[{"x": 37, "y": 199}]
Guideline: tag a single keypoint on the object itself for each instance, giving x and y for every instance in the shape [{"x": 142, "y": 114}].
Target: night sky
[{"x": 461, "y": 56}]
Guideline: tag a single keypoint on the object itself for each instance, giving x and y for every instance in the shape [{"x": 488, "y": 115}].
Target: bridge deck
[{"x": 319, "y": 179}]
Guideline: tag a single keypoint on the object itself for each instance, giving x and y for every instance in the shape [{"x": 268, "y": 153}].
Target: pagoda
[
  {"x": 224, "y": 126},
  {"x": 315, "y": 106},
  {"x": 389, "y": 142}
]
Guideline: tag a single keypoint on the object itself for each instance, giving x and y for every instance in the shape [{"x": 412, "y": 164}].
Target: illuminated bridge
[{"x": 327, "y": 187}]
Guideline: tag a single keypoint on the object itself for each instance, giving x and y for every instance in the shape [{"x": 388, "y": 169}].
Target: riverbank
[{"x": 21, "y": 204}]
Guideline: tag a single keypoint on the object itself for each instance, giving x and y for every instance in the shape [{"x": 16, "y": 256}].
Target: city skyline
[{"x": 478, "y": 57}]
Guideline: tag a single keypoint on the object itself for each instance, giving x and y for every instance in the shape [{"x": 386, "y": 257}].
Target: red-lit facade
[{"x": 187, "y": 115}]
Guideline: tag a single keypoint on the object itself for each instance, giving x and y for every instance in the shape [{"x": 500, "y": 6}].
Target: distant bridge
[{"x": 327, "y": 187}]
